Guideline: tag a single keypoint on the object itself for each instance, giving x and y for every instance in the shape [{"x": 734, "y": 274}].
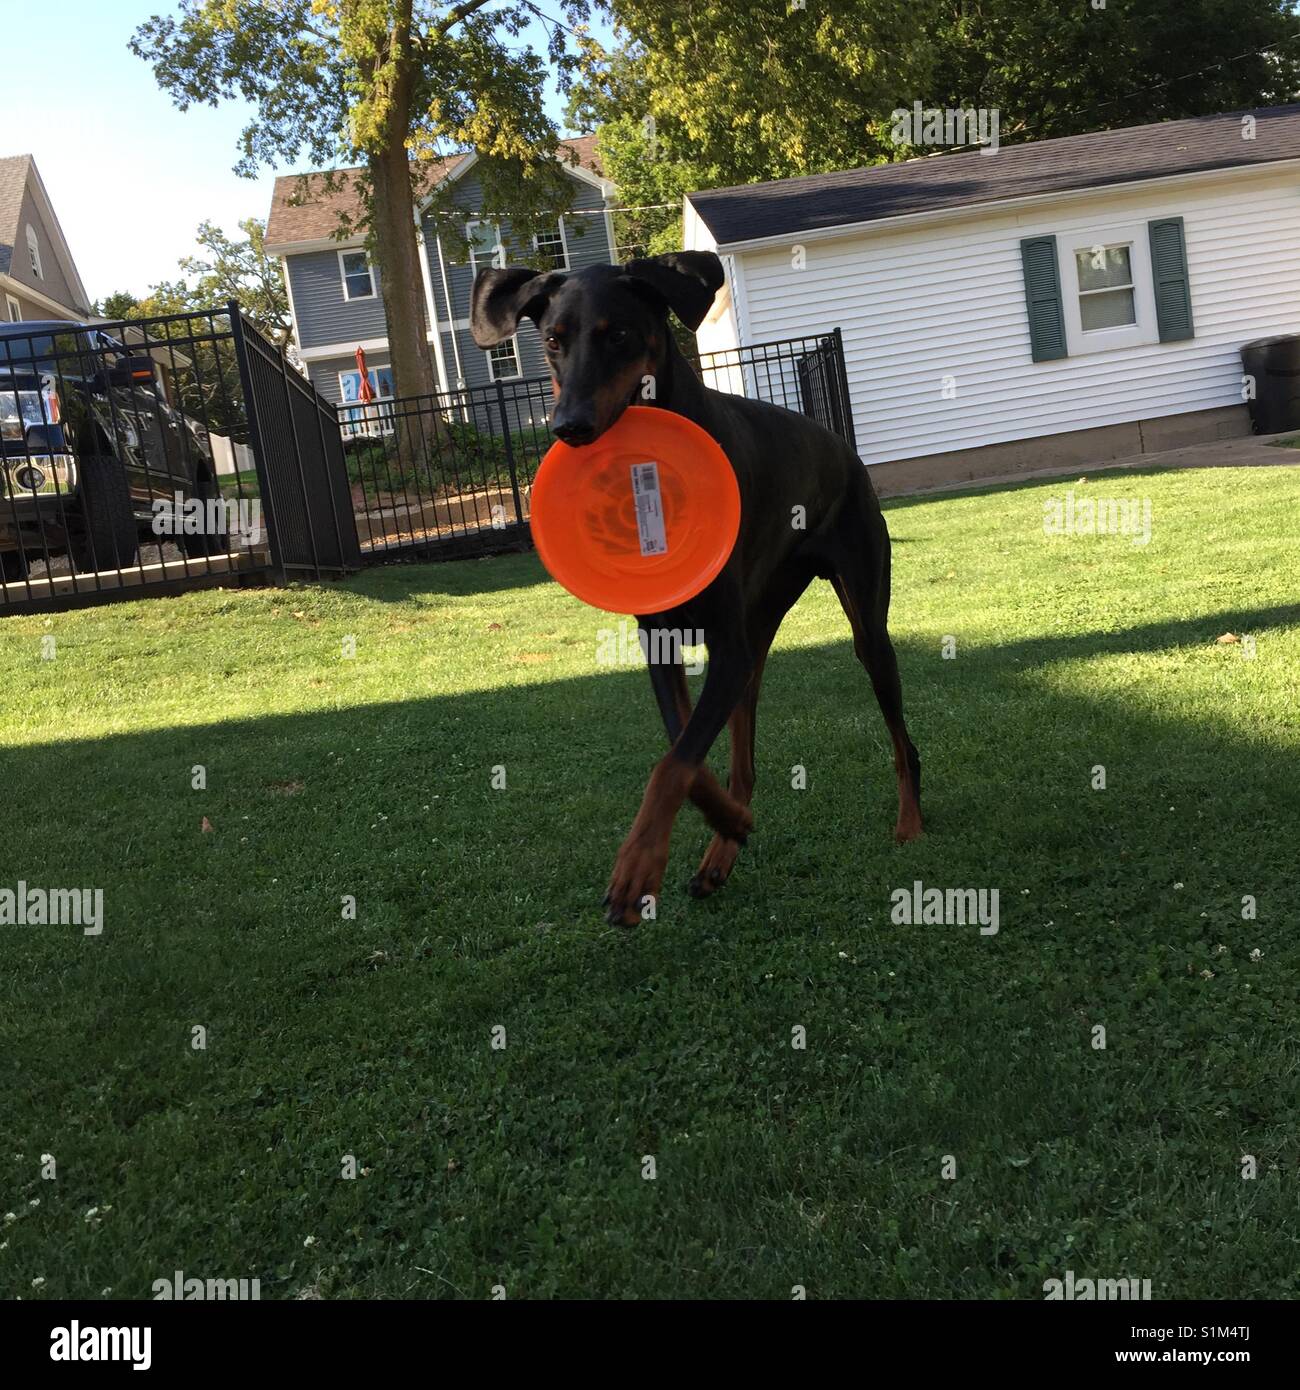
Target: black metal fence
[
  {"x": 802, "y": 374},
  {"x": 187, "y": 450},
  {"x": 124, "y": 460},
  {"x": 299, "y": 450},
  {"x": 451, "y": 474}
]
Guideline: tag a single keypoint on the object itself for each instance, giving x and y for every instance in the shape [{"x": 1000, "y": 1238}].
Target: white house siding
[
  {"x": 921, "y": 302},
  {"x": 721, "y": 328}
]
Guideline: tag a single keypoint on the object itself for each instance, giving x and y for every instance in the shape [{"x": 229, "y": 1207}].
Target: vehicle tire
[
  {"x": 108, "y": 539},
  {"x": 13, "y": 567},
  {"x": 209, "y": 543}
]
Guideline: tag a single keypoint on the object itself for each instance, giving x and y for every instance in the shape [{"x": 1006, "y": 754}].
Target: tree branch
[{"x": 450, "y": 20}]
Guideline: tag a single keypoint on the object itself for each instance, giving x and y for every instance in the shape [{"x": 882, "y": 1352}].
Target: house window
[
  {"x": 485, "y": 247},
  {"x": 503, "y": 360},
  {"x": 14, "y": 310},
  {"x": 381, "y": 384},
  {"x": 34, "y": 252},
  {"x": 550, "y": 250},
  {"x": 1107, "y": 289},
  {"x": 358, "y": 278},
  {"x": 371, "y": 418}
]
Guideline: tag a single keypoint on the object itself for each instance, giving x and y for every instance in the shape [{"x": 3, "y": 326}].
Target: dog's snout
[{"x": 574, "y": 429}]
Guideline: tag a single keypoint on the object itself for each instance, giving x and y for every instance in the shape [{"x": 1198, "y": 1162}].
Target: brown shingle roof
[
  {"x": 584, "y": 146},
  {"x": 311, "y": 211}
]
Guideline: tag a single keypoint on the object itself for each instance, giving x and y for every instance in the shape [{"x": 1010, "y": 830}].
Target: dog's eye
[
  {"x": 617, "y": 335},
  {"x": 552, "y": 344}
]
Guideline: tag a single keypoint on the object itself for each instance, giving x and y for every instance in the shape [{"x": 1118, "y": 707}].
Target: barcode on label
[{"x": 651, "y": 533}]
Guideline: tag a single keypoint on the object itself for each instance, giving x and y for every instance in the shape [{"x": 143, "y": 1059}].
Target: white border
[
  {"x": 1081, "y": 341},
  {"x": 513, "y": 339},
  {"x": 315, "y": 354},
  {"x": 469, "y": 236},
  {"x": 34, "y": 252},
  {"x": 564, "y": 242},
  {"x": 370, "y": 367},
  {"x": 343, "y": 279},
  {"x": 62, "y": 311}
]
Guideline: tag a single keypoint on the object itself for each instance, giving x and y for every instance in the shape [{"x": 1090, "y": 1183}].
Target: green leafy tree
[
  {"x": 729, "y": 91},
  {"x": 232, "y": 268},
  {"x": 121, "y": 304},
  {"x": 388, "y": 85},
  {"x": 204, "y": 371},
  {"x": 742, "y": 91},
  {"x": 238, "y": 269},
  {"x": 1054, "y": 69}
]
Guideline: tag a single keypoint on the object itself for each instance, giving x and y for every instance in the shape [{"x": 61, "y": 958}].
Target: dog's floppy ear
[
  {"x": 684, "y": 280},
  {"x": 501, "y": 298}
]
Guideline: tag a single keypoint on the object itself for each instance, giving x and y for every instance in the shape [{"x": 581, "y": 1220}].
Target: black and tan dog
[{"x": 606, "y": 333}]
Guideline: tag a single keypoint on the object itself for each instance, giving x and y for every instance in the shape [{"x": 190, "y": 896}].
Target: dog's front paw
[{"x": 635, "y": 882}]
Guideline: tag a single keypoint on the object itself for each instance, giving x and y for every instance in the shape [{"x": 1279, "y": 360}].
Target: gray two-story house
[{"x": 334, "y": 289}]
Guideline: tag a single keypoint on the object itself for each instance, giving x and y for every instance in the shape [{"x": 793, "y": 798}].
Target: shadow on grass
[
  {"x": 979, "y": 723},
  {"x": 392, "y": 581},
  {"x": 477, "y": 905}
]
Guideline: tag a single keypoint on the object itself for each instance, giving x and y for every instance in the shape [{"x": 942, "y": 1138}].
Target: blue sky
[{"x": 129, "y": 175}]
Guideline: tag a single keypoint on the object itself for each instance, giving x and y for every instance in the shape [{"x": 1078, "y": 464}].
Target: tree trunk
[{"x": 396, "y": 249}]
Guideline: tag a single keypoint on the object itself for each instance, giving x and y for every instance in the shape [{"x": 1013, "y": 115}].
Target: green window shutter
[
  {"x": 1169, "y": 273},
  {"x": 1043, "y": 298}
]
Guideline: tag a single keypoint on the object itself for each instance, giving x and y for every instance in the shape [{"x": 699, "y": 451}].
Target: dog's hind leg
[{"x": 861, "y": 580}]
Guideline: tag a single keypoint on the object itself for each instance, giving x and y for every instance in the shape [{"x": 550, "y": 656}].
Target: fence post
[
  {"x": 304, "y": 496},
  {"x": 510, "y": 455},
  {"x": 255, "y": 433},
  {"x": 842, "y": 381}
]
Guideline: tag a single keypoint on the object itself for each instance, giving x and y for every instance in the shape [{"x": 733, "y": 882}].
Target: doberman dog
[{"x": 808, "y": 510}]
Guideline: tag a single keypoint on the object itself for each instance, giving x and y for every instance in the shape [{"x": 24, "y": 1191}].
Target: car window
[{"x": 65, "y": 355}]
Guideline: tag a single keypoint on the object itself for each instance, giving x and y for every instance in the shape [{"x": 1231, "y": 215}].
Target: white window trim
[
  {"x": 483, "y": 222},
  {"x": 370, "y": 367},
  {"x": 564, "y": 241},
  {"x": 13, "y": 309},
  {"x": 372, "y": 418},
  {"x": 34, "y": 252},
  {"x": 1081, "y": 342},
  {"x": 513, "y": 340},
  {"x": 343, "y": 278}
]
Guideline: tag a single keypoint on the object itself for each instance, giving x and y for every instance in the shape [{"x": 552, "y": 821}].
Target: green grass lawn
[{"x": 477, "y": 909}]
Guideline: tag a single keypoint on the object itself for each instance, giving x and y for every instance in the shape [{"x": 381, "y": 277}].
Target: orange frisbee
[{"x": 642, "y": 519}]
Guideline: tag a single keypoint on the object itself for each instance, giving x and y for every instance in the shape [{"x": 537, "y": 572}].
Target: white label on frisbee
[{"x": 649, "y": 509}]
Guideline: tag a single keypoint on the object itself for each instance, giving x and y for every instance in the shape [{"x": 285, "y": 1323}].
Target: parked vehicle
[{"x": 91, "y": 451}]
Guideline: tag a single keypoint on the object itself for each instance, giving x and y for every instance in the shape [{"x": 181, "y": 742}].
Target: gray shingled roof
[
  {"x": 789, "y": 207},
  {"x": 13, "y": 180}
]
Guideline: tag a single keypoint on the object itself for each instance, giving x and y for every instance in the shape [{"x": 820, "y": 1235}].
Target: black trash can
[{"x": 1275, "y": 365}]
